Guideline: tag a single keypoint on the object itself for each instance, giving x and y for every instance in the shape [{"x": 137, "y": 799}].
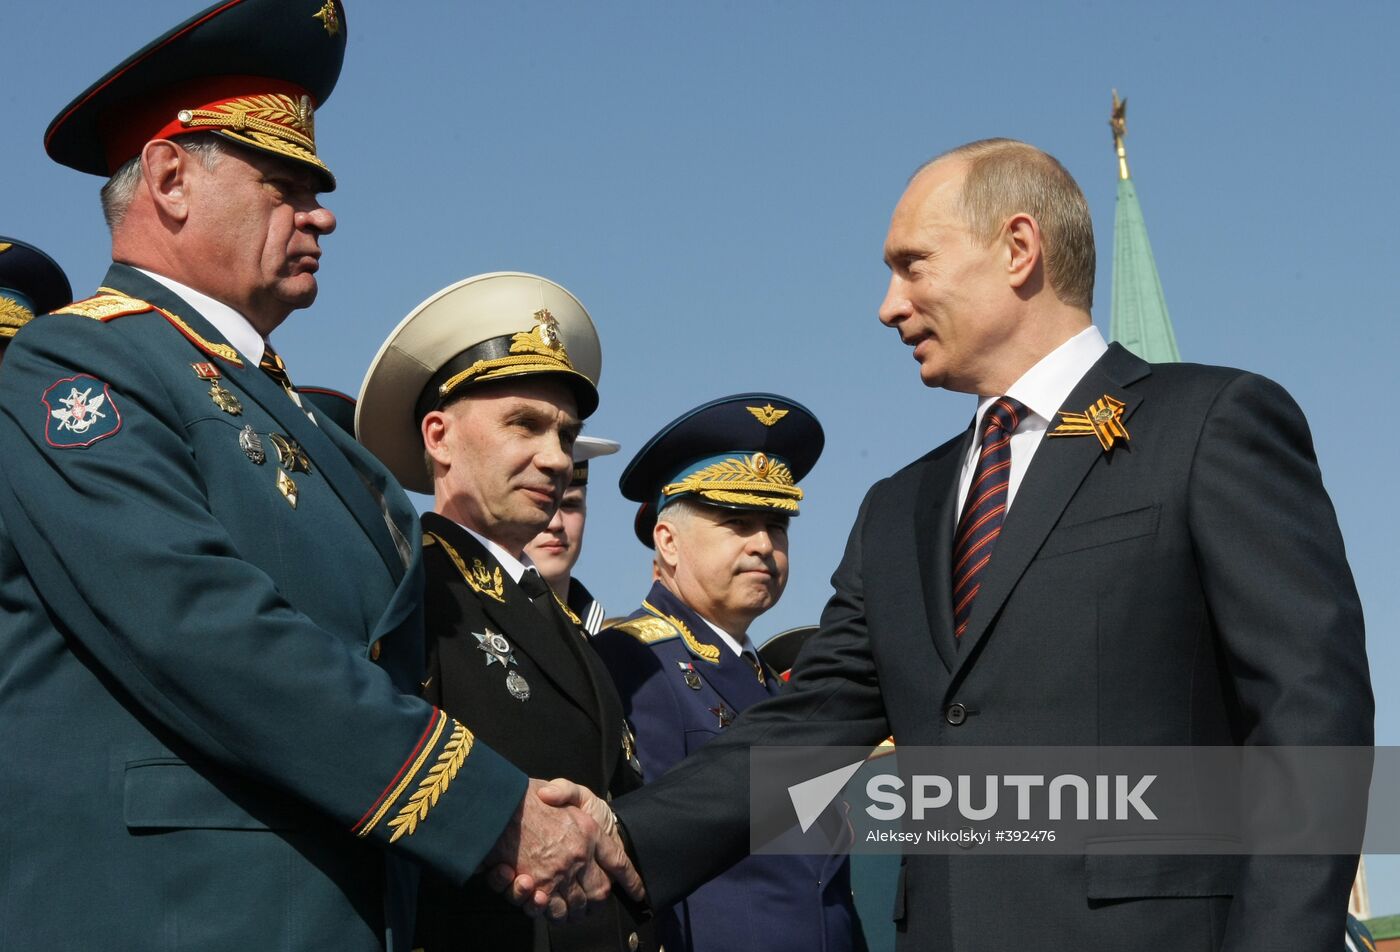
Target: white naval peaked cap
[{"x": 489, "y": 327}]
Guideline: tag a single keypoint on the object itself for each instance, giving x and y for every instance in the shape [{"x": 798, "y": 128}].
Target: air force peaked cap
[
  {"x": 747, "y": 451},
  {"x": 30, "y": 283},
  {"x": 487, "y": 328},
  {"x": 250, "y": 71}
]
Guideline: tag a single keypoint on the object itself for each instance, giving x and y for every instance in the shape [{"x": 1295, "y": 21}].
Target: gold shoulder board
[
  {"x": 648, "y": 629},
  {"x": 107, "y": 305}
]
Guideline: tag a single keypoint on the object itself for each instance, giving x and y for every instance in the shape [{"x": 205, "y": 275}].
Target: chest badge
[
  {"x": 692, "y": 677},
  {"x": 251, "y": 445},
  {"x": 290, "y": 454},
  {"x": 1103, "y": 420},
  {"x": 498, "y": 651},
  {"x": 725, "y": 715},
  {"x": 287, "y": 487}
]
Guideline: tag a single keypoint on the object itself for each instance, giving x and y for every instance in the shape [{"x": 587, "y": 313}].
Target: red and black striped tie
[{"x": 985, "y": 508}]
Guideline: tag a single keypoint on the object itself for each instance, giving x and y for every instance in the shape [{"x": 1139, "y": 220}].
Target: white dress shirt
[
  {"x": 514, "y": 567},
  {"x": 740, "y": 646},
  {"x": 233, "y": 325},
  {"x": 1042, "y": 390}
]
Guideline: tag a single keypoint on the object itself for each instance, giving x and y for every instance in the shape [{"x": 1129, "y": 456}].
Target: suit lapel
[
  {"x": 1054, "y": 476},
  {"x": 335, "y": 468},
  {"x": 513, "y": 614},
  {"x": 935, "y": 518}
]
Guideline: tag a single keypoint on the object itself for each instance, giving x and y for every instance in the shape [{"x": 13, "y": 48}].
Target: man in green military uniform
[
  {"x": 498, "y": 372},
  {"x": 212, "y": 734}
]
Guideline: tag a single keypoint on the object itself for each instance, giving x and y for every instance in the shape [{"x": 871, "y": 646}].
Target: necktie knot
[
  {"x": 272, "y": 365},
  {"x": 1005, "y": 414},
  {"x": 533, "y": 584}
]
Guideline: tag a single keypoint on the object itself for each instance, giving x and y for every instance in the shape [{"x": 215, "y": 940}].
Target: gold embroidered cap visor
[
  {"x": 746, "y": 451},
  {"x": 250, "y": 71},
  {"x": 30, "y": 283},
  {"x": 481, "y": 330}
]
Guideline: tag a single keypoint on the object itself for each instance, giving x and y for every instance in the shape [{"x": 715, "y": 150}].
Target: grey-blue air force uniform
[
  {"x": 678, "y": 699},
  {"x": 212, "y": 646}
]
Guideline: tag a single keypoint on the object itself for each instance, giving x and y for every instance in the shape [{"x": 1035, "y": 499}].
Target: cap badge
[
  {"x": 548, "y": 328},
  {"x": 328, "y": 17},
  {"x": 1104, "y": 420},
  {"x": 766, "y": 414}
]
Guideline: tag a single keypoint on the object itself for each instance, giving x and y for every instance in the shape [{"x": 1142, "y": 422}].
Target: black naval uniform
[{"x": 533, "y": 689}]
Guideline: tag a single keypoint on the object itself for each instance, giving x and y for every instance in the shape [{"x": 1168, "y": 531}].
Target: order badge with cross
[{"x": 498, "y": 651}]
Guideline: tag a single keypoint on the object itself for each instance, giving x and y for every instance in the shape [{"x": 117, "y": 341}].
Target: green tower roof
[{"x": 1140, "y": 321}]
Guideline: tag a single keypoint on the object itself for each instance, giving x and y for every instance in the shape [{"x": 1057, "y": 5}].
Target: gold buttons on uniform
[
  {"x": 633, "y": 942},
  {"x": 375, "y": 650}
]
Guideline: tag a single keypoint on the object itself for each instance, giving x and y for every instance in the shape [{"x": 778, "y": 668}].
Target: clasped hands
[{"x": 560, "y": 853}]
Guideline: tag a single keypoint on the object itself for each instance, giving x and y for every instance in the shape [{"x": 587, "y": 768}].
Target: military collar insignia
[
  {"x": 766, "y": 414},
  {"x": 704, "y": 652},
  {"x": 568, "y": 612},
  {"x": 1103, "y": 419},
  {"x": 81, "y": 411},
  {"x": 479, "y": 578}
]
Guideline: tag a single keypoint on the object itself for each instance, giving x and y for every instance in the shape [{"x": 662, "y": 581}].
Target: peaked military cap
[
  {"x": 588, "y": 448},
  {"x": 332, "y": 405},
  {"x": 487, "y": 328},
  {"x": 30, "y": 283},
  {"x": 747, "y": 451},
  {"x": 250, "y": 71}
]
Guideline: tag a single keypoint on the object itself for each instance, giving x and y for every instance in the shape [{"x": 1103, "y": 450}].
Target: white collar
[
  {"x": 514, "y": 567},
  {"x": 227, "y": 321},
  {"x": 1045, "y": 387},
  {"x": 736, "y": 645}
]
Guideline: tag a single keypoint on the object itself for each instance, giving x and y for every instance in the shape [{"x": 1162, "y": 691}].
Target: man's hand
[
  {"x": 609, "y": 852},
  {"x": 546, "y": 856}
]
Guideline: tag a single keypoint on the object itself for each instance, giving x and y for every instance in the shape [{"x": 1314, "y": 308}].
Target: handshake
[{"x": 560, "y": 853}]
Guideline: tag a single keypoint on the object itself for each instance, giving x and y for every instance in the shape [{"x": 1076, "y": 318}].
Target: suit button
[
  {"x": 633, "y": 942},
  {"x": 375, "y": 650},
  {"x": 955, "y": 714}
]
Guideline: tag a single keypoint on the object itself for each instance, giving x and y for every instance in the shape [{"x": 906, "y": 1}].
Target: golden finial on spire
[{"x": 1118, "y": 122}]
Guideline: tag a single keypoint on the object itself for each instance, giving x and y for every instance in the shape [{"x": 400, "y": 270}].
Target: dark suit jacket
[
  {"x": 804, "y": 899},
  {"x": 1187, "y": 588},
  {"x": 569, "y": 726},
  {"x": 208, "y": 695}
]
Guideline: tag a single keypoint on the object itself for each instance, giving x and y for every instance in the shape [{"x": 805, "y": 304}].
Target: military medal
[
  {"x": 223, "y": 398},
  {"x": 498, "y": 651},
  {"x": 1104, "y": 420},
  {"x": 290, "y": 454},
  {"x": 518, "y": 687},
  {"x": 692, "y": 677},
  {"x": 287, "y": 487},
  {"x": 251, "y": 445},
  {"x": 629, "y": 748},
  {"x": 725, "y": 715}
]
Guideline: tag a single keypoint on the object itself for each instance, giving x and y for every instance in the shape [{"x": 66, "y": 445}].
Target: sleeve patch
[{"x": 79, "y": 411}]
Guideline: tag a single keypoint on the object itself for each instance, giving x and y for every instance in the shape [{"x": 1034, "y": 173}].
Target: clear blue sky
[{"x": 713, "y": 180}]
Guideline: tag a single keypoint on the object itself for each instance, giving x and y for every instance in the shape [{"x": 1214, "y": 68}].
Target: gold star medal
[
  {"x": 1104, "y": 419},
  {"x": 223, "y": 397}
]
